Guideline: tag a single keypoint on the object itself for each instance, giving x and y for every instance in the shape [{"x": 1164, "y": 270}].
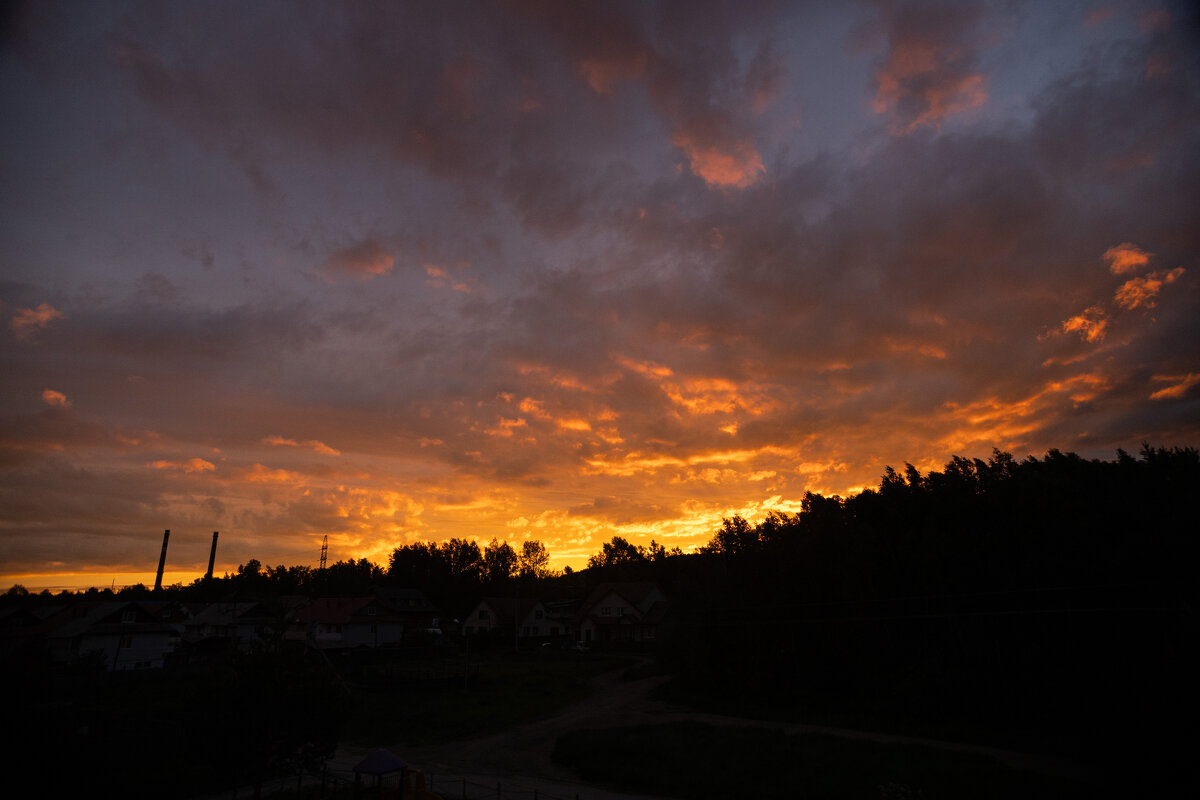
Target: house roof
[
  {"x": 227, "y": 613},
  {"x": 503, "y": 607},
  {"x": 340, "y": 610},
  {"x": 633, "y": 592},
  {"x": 656, "y": 613},
  {"x": 88, "y": 617},
  {"x": 405, "y": 600}
]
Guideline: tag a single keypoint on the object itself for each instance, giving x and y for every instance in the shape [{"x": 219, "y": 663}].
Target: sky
[{"x": 400, "y": 272}]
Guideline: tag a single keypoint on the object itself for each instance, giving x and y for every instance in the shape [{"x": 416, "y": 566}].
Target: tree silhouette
[{"x": 534, "y": 560}]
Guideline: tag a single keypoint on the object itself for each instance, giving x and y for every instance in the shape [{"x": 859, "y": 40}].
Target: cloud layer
[{"x": 564, "y": 271}]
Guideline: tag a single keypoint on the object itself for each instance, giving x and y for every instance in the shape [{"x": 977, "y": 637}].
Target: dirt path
[{"x": 522, "y": 755}]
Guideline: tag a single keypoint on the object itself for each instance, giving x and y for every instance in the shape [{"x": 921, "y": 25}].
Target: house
[
  {"x": 631, "y": 611},
  {"x": 243, "y": 625},
  {"x": 122, "y": 634},
  {"x": 412, "y": 606},
  {"x": 527, "y": 614},
  {"x": 381, "y": 618}
]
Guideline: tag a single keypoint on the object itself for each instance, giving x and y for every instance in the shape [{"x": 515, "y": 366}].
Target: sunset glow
[{"x": 392, "y": 273}]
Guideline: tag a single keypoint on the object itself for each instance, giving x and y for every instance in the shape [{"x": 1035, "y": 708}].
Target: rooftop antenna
[
  {"x": 324, "y": 550},
  {"x": 162, "y": 560}
]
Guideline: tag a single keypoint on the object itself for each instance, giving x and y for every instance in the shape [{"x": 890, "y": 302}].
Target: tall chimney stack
[
  {"x": 162, "y": 560},
  {"x": 212, "y": 557}
]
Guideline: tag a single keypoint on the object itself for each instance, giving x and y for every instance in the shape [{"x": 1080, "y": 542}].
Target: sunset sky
[{"x": 397, "y": 272}]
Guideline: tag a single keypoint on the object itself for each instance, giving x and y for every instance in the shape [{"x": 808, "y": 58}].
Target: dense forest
[
  {"x": 1045, "y": 604},
  {"x": 1040, "y": 603}
]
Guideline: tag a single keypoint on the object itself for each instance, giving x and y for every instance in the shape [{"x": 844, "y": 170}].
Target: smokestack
[
  {"x": 162, "y": 560},
  {"x": 212, "y": 557}
]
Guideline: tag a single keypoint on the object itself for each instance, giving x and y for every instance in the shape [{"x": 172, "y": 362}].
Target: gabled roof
[
  {"x": 405, "y": 600},
  {"x": 227, "y": 613},
  {"x": 655, "y": 614},
  {"x": 503, "y": 607},
  {"x": 101, "y": 613},
  {"x": 633, "y": 592},
  {"x": 342, "y": 610}
]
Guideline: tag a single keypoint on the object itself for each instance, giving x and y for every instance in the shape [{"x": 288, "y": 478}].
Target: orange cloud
[
  {"x": 703, "y": 395},
  {"x": 1178, "y": 388},
  {"x": 26, "y": 321},
  {"x": 364, "y": 261},
  {"x": 191, "y": 466},
  {"x": 724, "y": 163},
  {"x": 648, "y": 368},
  {"x": 439, "y": 278},
  {"x": 312, "y": 444},
  {"x": 994, "y": 420},
  {"x": 637, "y": 462},
  {"x": 919, "y": 77},
  {"x": 263, "y": 474},
  {"x": 53, "y": 398},
  {"x": 1141, "y": 292},
  {"x": 1125, "y": 257},
  {"x": 506, "y": 427},
  {"x": 1092, "y": 324}
]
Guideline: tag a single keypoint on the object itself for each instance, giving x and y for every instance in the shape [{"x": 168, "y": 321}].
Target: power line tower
[{"x": 324, "y": 550}]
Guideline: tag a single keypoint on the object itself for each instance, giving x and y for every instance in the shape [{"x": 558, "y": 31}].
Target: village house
[
  {"x": 242, "y": 625},
  {"x": 527, "y": 614},
  {"x": 379, "y": 619},
  {"x": 622, "y": 612},
  {"x": 122, "y": 635}
]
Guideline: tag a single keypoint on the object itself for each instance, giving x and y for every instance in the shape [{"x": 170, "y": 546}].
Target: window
[
  {"x": 483, "y": 614},
  {"x": 606, "y": 611},
  {"x": 648, "y": 632},
  {"x": 537, "y": 614},
  {"x": 129, "y": 616},
  {"x": 371, "y": 611},
  {"x": 126, "y": 642},
  {"x": 621, "y": 611}
]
